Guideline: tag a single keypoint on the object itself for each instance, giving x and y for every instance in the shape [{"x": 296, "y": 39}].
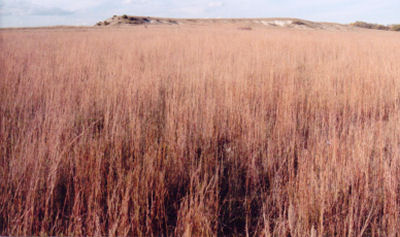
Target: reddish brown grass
[{"x": 204, "y": 131}]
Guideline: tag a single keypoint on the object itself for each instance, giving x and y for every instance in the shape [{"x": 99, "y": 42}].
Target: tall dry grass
[{"x": 204, "y": 131}]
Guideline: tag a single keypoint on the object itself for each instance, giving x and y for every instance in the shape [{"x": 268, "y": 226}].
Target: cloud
[
  {"x": 197, "y": 8},
  {"x": 44, "y": 12},
  {"x": 346, "y": 11},
  {"x": 134, "y": 1},
  {"x": 191, "y": 10},
  {"x": 23, "y": 8},
  {"x": 215, "y": 4},
  {"x": 54, "y": 11},
  {"x": 46, "y": 7}
]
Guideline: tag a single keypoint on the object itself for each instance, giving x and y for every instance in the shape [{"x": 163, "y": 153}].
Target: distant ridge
[{"x": 244, "y": 23}]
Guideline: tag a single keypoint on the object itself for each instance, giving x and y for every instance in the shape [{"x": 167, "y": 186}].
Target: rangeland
[{"x": 219, "y": 129}]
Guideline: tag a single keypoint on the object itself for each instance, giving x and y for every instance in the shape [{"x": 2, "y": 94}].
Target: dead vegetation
[{"x": 199, "y": 131}]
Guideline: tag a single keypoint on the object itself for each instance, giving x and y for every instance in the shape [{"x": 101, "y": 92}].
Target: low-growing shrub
[
  {"x": 366, "y": 25},
  {"x": 395, "y": 27}
]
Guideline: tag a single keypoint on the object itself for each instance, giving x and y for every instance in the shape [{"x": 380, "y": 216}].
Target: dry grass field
[{"x": 202, "y": 131}]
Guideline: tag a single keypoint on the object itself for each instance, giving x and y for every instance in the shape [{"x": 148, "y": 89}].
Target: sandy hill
[{"x": 243, "y": 23}]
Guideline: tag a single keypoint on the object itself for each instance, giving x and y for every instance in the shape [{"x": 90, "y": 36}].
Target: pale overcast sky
[{"x": 16, "y": 13}]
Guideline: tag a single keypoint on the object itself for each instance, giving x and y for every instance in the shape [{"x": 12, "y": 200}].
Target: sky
[{"x": 26, "y": 13}]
